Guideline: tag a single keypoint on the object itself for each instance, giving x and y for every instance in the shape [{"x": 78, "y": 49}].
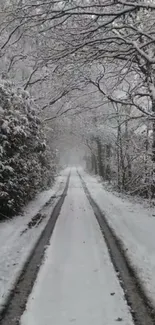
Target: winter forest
[{"x": 77, "y": 83}]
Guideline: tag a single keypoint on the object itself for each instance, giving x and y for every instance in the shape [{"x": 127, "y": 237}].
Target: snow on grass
[
  {"x": 77, "y": 282},
  {"x": 14, "y": 247},
  {"x": 134, "y": 224}
]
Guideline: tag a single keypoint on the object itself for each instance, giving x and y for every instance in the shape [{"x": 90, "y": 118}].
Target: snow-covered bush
[{"x": 24, "y": 158}]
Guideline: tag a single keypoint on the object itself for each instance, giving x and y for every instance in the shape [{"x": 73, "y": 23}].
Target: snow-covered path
[
  {"x": 77, "y": 282},
  {"x": 16, "y": 248}
]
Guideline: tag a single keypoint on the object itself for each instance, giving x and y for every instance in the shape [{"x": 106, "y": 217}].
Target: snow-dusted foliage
[{"x": 24, "y": 161}]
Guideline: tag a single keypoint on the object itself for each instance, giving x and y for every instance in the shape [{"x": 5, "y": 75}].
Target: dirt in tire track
[
  {"x": 18, "y": 298},
  {"x": 141, "y": 310}
]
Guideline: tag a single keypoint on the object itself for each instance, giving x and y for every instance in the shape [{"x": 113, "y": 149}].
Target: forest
[{"x": 76, "y": 74}]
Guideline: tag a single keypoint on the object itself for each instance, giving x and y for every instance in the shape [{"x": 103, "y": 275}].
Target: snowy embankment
[
  {"x": 17, "y": 240},
  {"x": 134, "y": 224},
  {"x": 76, "y": 283}
]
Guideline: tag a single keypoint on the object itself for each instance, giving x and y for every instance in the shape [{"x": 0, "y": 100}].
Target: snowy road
[{"x": 76, "y": 282}]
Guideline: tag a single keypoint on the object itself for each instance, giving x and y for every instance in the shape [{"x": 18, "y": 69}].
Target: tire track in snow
[
  {"x": 142, "y": 312},
  {"x": 18, "y": 297}
]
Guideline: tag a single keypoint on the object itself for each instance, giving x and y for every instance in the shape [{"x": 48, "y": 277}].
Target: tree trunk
[
  {"x": 94, "y": 164},
  {"x": 100, "y": 163},
  {"x": 129, "y": 167},
  {"x": 108, "y": 162},
  {"x": 120, "y": 159}
]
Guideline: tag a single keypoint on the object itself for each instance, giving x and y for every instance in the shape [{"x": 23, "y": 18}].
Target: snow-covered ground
[
  {"x": 134, "y": 224},
  {"x": 14, "y": 247},
  {"x": 77, "y": 282}
]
